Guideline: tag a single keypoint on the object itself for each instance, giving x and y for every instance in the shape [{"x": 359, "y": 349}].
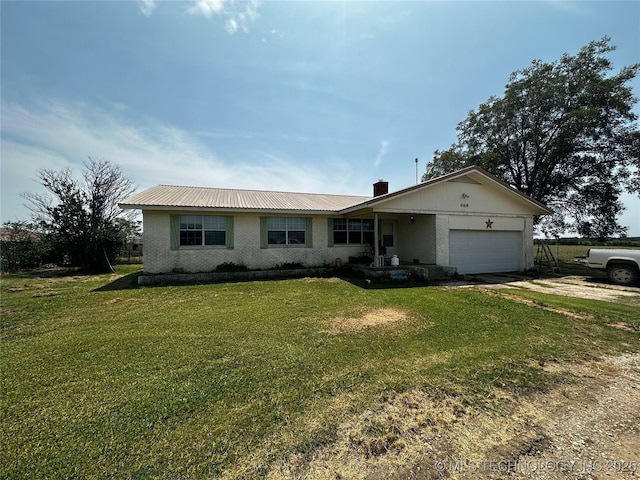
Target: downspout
[{"x": 376, "y": 242}]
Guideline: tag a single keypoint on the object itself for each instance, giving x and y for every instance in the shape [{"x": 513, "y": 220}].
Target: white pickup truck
[{"x": 622, "y": 265}]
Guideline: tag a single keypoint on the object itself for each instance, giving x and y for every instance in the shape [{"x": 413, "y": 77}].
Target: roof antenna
[{"x": 416, "y": 171}]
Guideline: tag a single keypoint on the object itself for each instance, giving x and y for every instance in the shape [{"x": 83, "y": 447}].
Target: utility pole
[{"x": 416, "y": 171}]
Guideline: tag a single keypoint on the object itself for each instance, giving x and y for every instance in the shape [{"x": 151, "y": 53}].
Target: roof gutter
[{"x": 165, "y": 208}]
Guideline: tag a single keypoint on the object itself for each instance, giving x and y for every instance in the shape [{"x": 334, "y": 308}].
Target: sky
[{"x": 302, "y": 96}]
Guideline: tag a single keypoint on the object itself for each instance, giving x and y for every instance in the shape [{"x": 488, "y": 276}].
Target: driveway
[{"x": 570, "y": 286}]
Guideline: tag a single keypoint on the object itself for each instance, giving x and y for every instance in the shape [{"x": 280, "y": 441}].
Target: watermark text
[{"x": 536, "y": 465}]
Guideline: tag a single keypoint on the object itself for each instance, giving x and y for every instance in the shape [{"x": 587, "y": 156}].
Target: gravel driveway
[{"x": 571, "y": 286}]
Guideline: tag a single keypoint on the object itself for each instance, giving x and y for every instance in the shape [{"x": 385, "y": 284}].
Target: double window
[
  {"x": 203, "y": 230},
  {"x": 353, "y": 231},
  {"x": 286, "y": 230}
]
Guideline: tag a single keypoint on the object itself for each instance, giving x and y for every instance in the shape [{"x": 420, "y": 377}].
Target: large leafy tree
[
  {"x": 564, "y": 133},
  {"x": 82, "y": 218}
]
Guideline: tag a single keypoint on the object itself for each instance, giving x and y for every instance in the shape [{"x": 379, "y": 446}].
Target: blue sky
[{"x": 308, "y": 96}]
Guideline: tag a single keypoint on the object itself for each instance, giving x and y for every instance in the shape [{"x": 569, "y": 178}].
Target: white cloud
[
  {"x": 57, "y": 135},
  {"x": 231, "y": 26},
  {"x": 384, "y": 148},
  {"x": 147, "y": 7},
  {"x": 206, "y": 8},
  {"x": 238, "y": 15}
]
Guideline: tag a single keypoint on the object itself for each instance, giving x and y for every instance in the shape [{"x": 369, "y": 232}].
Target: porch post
[{"x": 376, "y": 241}]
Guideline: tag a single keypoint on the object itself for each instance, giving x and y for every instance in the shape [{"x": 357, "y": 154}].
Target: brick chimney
[{"x": 380, "y": 188}]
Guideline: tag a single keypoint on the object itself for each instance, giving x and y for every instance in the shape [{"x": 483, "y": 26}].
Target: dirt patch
[
  {"x": 411, "y": 427},
  {"x": 7, "y": 311},
  {"x": 322, "y": 280},
  {"x": 588, "y": 428},
  {"x": 570, "y": 286},
  {"x": 380, "y": 317},
  {"x": 50, "y": 293},
  {"x": 15, "y": 289},
  {"x": 531, "y": 303},
  {"x": 622, "y": 326}
]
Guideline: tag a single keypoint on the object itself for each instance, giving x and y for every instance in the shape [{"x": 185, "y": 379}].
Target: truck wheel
[{"x": 622, "y": 274}]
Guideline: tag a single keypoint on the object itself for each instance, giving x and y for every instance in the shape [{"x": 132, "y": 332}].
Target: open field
[
  {"x": 282, "y": 379},
  {"x": 565, "y": 255}
]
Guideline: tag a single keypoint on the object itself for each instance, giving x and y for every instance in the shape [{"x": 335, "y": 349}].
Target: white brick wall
[
  {"x": 529, "y": 260},
  {"x": 418, "y": 238},
  {"x": 159, "y": 258},
  {"x": 427, "y": 239}
]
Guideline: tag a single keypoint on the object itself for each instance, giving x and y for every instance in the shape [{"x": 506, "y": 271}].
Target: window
[
  {"x": 353, "y": 231},
  {"x": 203, "y": 230},
  {"x": 286, "y": 231},
  {"x": 340, "y": 230}
]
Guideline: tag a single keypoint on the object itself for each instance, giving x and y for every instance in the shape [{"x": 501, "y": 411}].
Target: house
[
  {"x": 17, "y": 234},
  {"x": 468, "y": 220},
  {"x": 133, "y": 247}
]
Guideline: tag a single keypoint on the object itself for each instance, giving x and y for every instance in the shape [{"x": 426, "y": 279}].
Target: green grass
[
  {"x": 101, "y": 379},
  {"x": 564, "y": 255}
]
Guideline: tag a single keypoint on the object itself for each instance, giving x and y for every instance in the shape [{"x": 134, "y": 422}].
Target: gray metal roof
[{"x": 170, "y": 196}]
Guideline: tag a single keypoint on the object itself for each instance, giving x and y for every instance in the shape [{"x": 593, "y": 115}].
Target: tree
[
  {"x": 82, "y": 219},
  {"x": 22, "y": 247},
  {"x": 564, "y": 133}
]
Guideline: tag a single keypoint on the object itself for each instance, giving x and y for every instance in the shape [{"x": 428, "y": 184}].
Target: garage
[{"x": 472, "y": 251}]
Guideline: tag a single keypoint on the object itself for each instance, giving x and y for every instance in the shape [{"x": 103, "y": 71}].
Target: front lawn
[{"x": 101, "y": 379}]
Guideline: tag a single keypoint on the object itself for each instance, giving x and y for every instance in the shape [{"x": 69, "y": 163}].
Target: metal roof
[
  {"x": 170, "y": 196},
  {"x": 175, "y": 197}
]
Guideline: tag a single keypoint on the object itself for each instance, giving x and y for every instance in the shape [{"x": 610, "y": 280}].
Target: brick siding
[{"x": 159, "y": 258}]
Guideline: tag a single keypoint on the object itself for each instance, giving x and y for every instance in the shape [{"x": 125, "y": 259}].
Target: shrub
[
  {"x": 22, "y": 247},
  {"x": 231, "y": 267},
  {"x": 289, "y": 266}
]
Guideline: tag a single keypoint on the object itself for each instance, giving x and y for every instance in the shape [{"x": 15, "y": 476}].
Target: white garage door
[{"x": 484, "y": 252}]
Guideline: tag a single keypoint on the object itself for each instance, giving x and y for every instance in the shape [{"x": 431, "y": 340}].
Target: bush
[
  {"x": 22, "y": 248},
  {"x": 231, "y": 267},
  {"x": 289, "y": 266}
]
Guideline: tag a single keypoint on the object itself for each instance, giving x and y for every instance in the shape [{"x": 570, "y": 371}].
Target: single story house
[{"x": 468, "y": 220}]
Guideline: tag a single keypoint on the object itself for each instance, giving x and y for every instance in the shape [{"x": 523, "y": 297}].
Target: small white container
[{"x": 395, "y": 261}]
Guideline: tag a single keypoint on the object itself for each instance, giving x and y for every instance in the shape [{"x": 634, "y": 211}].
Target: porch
[
  {"x": 411, "y": 237},
  {"x": 401, "y": 244},
  {"x": 420, "y": 272}
]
